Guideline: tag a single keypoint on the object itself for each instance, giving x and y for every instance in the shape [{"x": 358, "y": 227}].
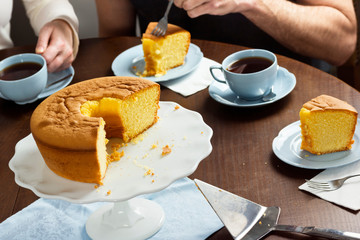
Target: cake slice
[
  {"x": 164, "y": 52},
  {"x": 327, "y": 125}
]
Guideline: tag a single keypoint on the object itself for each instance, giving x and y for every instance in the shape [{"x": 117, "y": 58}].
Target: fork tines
[{"x": 318, "y": 185}]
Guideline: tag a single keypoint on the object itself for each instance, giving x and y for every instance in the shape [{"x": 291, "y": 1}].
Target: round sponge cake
[{"x": 70, "y": 127}]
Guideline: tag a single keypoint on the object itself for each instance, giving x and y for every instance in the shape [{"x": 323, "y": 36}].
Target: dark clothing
[{"x": 232, "y": 28}]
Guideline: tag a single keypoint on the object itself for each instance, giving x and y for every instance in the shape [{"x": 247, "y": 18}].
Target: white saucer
[
  {"x": 131, "y": 61},
  {"x": 286, "y": 147},
  {"x": 52, "y": 77},
  {"x": 284, "y": 84}
]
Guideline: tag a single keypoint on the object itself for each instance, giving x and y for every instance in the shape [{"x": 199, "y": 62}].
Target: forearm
[{"x": 324, "y": 32}]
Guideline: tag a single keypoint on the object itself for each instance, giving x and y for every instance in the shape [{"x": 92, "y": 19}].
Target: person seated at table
[
  {"x": 56, "y": 25},
  {"x": 303, "y": 29}
]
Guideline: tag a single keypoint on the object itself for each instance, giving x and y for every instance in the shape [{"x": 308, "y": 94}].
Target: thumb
[{"x": 43, "y": 40}]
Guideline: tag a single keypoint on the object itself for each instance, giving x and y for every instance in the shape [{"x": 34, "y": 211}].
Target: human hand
[
  {"x": 55, "y": 44},
  {"x": 195, "y": 8}
]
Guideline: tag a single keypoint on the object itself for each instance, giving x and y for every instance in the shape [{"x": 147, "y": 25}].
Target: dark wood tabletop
[{"x": 242, "y": 160}]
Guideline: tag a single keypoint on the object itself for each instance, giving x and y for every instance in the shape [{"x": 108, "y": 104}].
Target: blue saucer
[
  {"x": 53, "y": 87},
  {"x": 284, "y": 84}
]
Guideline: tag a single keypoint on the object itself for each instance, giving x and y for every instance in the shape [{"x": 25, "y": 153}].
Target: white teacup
[
  {"x": 253, "y": 85},
  {"x": 24, "y": 88}
]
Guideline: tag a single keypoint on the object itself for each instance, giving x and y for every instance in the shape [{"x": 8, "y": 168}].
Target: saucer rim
[
  {"x": 45, "y": 94},
  {"x": 255, "y": 103}
]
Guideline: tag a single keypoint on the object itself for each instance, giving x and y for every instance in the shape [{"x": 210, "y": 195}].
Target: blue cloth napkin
[{"x": 187, "y": 216}]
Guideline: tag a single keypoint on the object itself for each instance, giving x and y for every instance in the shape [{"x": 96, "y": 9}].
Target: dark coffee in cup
[
  {"x": 19, "y": 71},
  {"x": 250, "y": 65}
]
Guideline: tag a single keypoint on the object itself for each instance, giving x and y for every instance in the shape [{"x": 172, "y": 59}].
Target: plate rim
[
  {"x": 208, "y": 133},
  {"x": 325, "y": 164},
  {"x": 193, "y": 48}
]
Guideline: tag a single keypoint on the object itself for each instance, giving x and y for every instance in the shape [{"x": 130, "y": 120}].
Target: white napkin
[
  {"x": 348, "y": 195},
  {"x": 187, "y": 216},
  {"x": 193, "y": 82}
]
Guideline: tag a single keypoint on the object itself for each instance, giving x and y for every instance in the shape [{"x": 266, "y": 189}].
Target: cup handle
[{"x": 212, "y": 68}]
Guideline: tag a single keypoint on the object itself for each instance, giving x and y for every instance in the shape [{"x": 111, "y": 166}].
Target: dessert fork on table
[
  {"x": 329, "y": 185},
  {"x": 161, "y": 27}
]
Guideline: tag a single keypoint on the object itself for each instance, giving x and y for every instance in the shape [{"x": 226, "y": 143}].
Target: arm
[
  {"x": 116, "y": 17},
  {"x": 56, "y": 25},
  {"x": 324, "y": 29}
]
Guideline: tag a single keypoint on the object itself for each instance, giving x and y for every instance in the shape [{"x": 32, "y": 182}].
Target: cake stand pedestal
[{"x": 134, "y": 219}]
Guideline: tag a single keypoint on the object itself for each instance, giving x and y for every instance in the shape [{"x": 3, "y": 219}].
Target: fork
[
  {"x": 329, "y": 185},
  {"x": 161, "y": 27}
]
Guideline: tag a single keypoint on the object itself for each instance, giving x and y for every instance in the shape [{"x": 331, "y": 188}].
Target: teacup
[
  {"x": 23, "y": 77},
  {"x": 246, "y": 82}
]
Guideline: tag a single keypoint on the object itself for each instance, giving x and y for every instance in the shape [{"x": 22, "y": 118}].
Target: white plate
[
  {"x": 123, "y": 64},
  {"x": 52, "y": 77},
  {"x": 284, "y": 84},
  {"x": 183, "y": 130},
  {"x": 286, "y": 146}
]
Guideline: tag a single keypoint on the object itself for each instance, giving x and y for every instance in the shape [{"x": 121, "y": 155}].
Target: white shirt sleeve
[{"x": 41, "y": 12}]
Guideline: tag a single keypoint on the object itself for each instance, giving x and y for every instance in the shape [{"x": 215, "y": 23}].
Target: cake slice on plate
[
  {"x": 164, "y": 52},
  {"x": 327, "y": 125}
]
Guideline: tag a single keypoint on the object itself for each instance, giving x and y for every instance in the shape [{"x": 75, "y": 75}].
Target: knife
[{"x": 247, "y": 220}]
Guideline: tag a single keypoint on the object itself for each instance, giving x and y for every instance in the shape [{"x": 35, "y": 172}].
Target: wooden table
[{"x": 242, "y": 160}]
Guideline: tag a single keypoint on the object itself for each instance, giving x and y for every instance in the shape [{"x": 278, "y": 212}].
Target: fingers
[
  {"x": 195, "y": 8},
  {"x": 58, "y": 56},
  {"x": 55, "y": 45},
  {"x": 43, "y": 40}
]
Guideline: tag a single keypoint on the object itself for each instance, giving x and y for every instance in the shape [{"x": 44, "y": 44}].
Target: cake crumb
[
  {"x": 96, "y": 186},
  {"x": 149, "y": 172},
  {"x": 166, "y": 150},
  {"x": 115, "y": 156},
  {"x": 153, "y": 146},
  {"x": 153, "y": 181},
  {"x": 202, "y": 132},
  {"x": 108, "y": 193},
  {"x": 177, "y": 107},
  {"x": 115, "y": 147}
]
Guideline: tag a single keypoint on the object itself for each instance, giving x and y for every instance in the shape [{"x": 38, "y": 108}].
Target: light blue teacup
[
  {"x": 25, "y": 89},
  {"x": 248, "y": 86}
]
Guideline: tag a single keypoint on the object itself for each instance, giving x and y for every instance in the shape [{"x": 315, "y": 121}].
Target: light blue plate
[
  {"x": 131, "y": 61},
  {"x": 286, "y": 147},
  {"x": 284, "y": 84},
  {"x": 52, "y": 77}
]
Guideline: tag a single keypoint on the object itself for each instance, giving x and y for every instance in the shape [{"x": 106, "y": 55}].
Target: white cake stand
[{"x": 184, "y": 131}]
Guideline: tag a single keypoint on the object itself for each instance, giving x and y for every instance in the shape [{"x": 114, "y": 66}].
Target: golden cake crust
[
  {"x": 171, "y": 30},
  {"x": 326, "y": 102},
  {"x": 60, "y": 113},
  {"x": 71, "y": 143}
]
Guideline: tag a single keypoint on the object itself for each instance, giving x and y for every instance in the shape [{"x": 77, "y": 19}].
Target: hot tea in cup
[
  {"x": 23, "y": 77},
  {"x": 250, "y": 74}
]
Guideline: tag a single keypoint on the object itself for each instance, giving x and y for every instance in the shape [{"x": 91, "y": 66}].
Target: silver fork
[
  {"x": 161, "y": 27},
  {"x": 329, "y": 185}
]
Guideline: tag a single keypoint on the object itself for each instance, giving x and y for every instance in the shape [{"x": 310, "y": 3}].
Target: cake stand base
[{"x": 135, "y": 219}]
